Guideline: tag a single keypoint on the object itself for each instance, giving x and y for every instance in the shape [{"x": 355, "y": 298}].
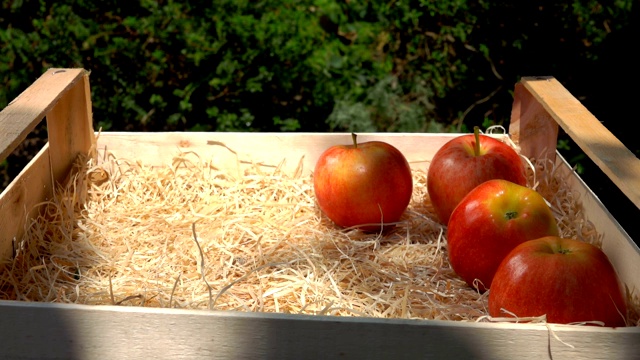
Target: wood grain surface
[
  {"x": 55, "y": 331},
  {"x": 595, "y": 140}
]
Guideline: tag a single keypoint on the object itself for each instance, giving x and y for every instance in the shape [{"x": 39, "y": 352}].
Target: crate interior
[{"x": 197, "y": 235}]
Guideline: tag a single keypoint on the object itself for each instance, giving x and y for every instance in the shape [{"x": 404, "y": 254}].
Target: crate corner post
[
  {"x": 70, "y": 127},
  {"x": 63, "y": 97},
  {"x": 531, "y": 127}
]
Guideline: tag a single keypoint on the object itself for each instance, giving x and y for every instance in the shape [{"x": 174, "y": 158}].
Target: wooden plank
[
  {"x": 18, "y": 201},
  {"x": 228, "y": 150},
  {"x": 70, "y": 128},
  {"x": 531, "y": 127},
  {"x": 45, "y": 331},
  {"x": 22, "y": 115},
  {"x": 63, "y": 95},
  {"x": 606, "y": 151}
]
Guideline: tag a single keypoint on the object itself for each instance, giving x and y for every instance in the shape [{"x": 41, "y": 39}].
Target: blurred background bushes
[{"x": 304, "y": 65}]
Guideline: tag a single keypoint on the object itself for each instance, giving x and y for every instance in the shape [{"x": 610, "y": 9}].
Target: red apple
[
  {"x": 464, "y": 163},
  {"x": 363, "y": 185},
  {"x": 566, "y": 279},
  {"x": 489, "y": 222}
]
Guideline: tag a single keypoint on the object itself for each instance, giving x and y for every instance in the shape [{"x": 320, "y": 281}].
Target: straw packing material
[{"x": 190, "y": 235}]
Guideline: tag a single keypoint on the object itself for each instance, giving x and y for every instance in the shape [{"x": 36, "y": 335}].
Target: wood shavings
[{"x": 189, "y": 235}]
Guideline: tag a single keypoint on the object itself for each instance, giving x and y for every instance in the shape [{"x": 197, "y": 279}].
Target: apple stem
[
  {"x": 476, "y": 133},
  {"x": 355, "y": 143}
]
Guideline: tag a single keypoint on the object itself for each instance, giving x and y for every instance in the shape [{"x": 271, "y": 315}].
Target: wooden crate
[{"x": 44, "y": 330}]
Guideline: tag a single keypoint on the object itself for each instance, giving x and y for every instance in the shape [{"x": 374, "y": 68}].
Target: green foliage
[
  {"x": 386, "y": 106},
  {"x": 300, "y": 65},
  {"x": 597, "y": 19}
]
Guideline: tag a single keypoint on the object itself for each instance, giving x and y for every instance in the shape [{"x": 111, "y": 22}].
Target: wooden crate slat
[
  {"x": 110, "y": 332},
  {"x": 230, "y": 149},
  {"x": 63, "y": 96},
  {"x": 70, "y": 128},
  {"x": 22, "y": 115},
  {"x": 531, "y": 127},
  {"x": 606, "y": 151},
  {"x": 18, "y": 201}
]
